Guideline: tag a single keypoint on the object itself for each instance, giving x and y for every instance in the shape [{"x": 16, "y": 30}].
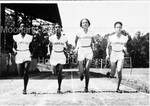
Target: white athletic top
[
  {"x": 58, "y": 44},
  {"x": 22, "y": 43},
  {"x": 118, "y": 43},
  {"x": 84, "y": 39}
]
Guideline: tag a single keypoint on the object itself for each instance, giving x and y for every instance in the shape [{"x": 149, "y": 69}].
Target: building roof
[{"x": 48, "y": 12}]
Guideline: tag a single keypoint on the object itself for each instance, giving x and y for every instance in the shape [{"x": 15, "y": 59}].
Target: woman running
[
  {"x": 84, "y": 40},
  {"x": 57, "y": 57},
  {"x": 117, "y": 41}
]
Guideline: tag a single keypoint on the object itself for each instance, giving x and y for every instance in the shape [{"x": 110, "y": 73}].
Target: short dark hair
[
  {"x": 59, "y": 24},
  {"x": 118, "y": 22},
  {"x": 87, "y": 21}
]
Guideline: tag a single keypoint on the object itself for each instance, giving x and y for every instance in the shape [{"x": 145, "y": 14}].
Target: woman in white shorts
[
  {"x": 84, "y": 40},
  {"x": 117, "y": 41},
  {"x": 23, "y": 55},
  {"x": 57, "y": 58}
]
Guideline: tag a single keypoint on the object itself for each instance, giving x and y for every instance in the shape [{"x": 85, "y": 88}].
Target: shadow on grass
[
  {"x": 91, "y": 91},
  {"x": 66, "y": 75}
]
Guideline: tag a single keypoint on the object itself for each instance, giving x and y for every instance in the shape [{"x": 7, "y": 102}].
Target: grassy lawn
[{"x": 138, "y": 78}]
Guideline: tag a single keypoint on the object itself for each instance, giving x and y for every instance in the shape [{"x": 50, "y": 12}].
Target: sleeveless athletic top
[
  {"x": 22, "y": 43},
  {"x": 58, "y": 44},
  {"x": 84, "y": 38},
  {"x": 118, "y": 43}
]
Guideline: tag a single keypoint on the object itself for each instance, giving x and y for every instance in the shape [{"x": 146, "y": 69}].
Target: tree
[{"x": 138, "y": 49}]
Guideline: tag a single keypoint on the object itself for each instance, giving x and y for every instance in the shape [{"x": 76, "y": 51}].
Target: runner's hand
[
  {"x": 76, "y": 50},
  {"x": 48, "y": 54},
  {"x": 126, "y": 54},
  {"x": 107, "y": 57},
  {"x": 10, "y": 63}
]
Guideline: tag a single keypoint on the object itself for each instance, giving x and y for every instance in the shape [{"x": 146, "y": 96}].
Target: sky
[{"x": 103, "y": 15}]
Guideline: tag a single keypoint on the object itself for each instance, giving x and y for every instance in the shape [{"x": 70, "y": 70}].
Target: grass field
[
  {"x": 42, "y": 90},
  {"x": 137, "y": 78}
]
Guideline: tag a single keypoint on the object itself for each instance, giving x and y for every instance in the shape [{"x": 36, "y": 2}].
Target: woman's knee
[
  {"x": 59, "y": 67},
  {"x": 120, "y": 65},
  {"x": 80, "y": 63},
  {"x": 20, "y": 70},
  {"x": 113, "y": 69},
  {"x": 88, "y": 63}
]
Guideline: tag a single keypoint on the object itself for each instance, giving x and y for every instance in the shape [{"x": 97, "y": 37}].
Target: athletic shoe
[
  {"x": 81, "y": 77},
  {"x": 58, "y": 91},
  {"x": 119, "y": 91},
  {"x": 86, "y": 90},
  {"x": 24, "y": 92},
  {"x": 108, "y": 75}
]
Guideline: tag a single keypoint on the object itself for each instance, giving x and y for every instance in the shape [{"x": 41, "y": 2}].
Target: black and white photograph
[{"x": 74, "y": 53}]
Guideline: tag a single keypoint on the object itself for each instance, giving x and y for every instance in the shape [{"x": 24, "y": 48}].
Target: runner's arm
[
  {"x": 93, "y": 44},
  {"x": 76, "y": 41},
  {"x": 67, "y": 44},
  {"x": 9, "y": 59},
  {"x": 49, "y": 48},
  {"x": 14, "y": 47},
  {"x": 108, "y": 50},
  {"x": 31, "y": 46},
  {"x": 125, "y": 50}
]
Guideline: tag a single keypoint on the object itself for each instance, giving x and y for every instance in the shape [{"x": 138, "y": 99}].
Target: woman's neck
[
  {"x": 23, "y": 35},
  {"x": 58, "y": 35},
  {"x": 118, "y": 35},
  {"x": 85, "y": 30}
]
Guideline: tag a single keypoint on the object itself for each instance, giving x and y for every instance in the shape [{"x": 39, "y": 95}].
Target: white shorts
[
  {"x": 22, "y": 56},
  {"x": 85, "y": 52},
  {"x": 115, "y": 56},
  {"x": 57, "y": 58}
]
